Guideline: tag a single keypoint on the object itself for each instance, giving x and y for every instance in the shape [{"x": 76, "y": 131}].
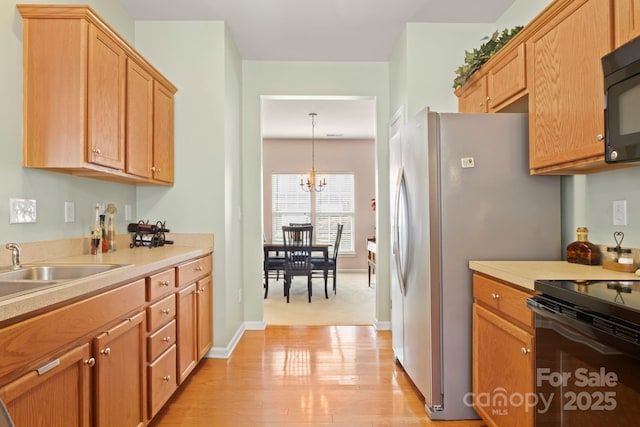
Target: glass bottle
[
  {"x": 103, "y": 230},
  {"x": 582, "y": 251}
]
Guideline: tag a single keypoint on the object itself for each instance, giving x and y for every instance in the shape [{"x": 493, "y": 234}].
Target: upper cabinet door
[
  {"x": 139, "y": 120},
  {"x": 106, "y": 100},
  {"x": 566, "y": 88},
  {"x": 627, "y": 20},
  {"x": 162, "y": 133}
]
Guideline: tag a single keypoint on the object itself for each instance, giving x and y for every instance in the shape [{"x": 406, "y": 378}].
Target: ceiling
[{"x": 320, "y": 30}]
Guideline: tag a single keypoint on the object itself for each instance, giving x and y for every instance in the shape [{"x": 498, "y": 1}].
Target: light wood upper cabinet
[
  {"x": 566, "y": 89},
  {"x": 162, "y": 133},
  {"x": 139, "y": 120},
  {"x": 506, "y": 80},
  {"x": 105, "y": 100},
  {"x": 473, "y": 96},
  {"x": 627, "y": 20},
  {"x": 498, "y": 84},
  {"x": 91, "y": 103}
]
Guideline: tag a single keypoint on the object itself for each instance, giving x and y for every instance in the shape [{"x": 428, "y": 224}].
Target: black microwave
[{"x": 621, "y": 69}]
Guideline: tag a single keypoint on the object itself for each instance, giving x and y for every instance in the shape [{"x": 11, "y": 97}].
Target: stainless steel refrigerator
[{"x": 461, "y": 190}]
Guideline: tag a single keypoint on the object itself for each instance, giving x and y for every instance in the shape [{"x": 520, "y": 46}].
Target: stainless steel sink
[
  {"x": 13, "y": 288},
  {"x": 30, "y": 278},
  {"x": 56, "y": 272}
]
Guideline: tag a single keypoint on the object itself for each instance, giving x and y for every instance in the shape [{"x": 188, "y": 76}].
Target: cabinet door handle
[
  {"x": 166, "y": 339},
  {"x": 525, "y": 351},
  {"x": 495, "y": 296},
  {"x": 96, "y": 151},
  {"x": 106, "y": 351},
  {"x": 90, "y": 362},
  {"x": 165, "y": 283},
  {"x": 166, "y": 311},
  {"x": 600, "y": 137},
  {"x": 166, "y": 378}
]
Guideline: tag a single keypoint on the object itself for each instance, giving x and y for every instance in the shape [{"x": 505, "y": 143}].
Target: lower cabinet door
[
  {"x": 120, "y": 374},
  {"x": 503, "y": 370},
  {"x": 187, "y": 331},
  {"x": 205, "y": 316},
  {"x": 56, "y": 395},
  {"x": 162, "y": 380}
]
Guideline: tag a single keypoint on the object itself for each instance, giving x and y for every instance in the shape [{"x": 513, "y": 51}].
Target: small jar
[
  {"x": 625, "y": 257},
  {"x": 612, "y": 254}
]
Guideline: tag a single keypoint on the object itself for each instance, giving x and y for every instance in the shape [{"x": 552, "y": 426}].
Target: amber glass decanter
[{"x": 582, "y": 251}]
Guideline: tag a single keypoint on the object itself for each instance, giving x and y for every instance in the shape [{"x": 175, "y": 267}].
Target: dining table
[{"x": 276, "y": 248}]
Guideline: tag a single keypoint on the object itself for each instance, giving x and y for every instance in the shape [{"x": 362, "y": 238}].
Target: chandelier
[{"x": 310, "y": 184}]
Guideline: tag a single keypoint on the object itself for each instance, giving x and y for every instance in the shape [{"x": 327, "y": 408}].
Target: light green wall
[
  {"x": 261, "y": 78},
  {"x": 199, "y": 58},
  {"x": 49, "y": 189}
]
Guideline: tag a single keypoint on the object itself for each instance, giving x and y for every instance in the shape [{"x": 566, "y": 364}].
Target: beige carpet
[{"x": 353, "y": 304}]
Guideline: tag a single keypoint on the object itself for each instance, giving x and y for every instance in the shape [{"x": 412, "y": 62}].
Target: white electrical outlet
[
  {"x": 620, "y": 212},
  {"x": 22, "y": 211},
  {"x": 127, "y": 212},
  {"x": 69, "y": 212}
]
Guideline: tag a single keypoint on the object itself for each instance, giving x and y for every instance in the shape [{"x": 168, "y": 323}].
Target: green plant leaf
[{"x": 478, "y": 56}]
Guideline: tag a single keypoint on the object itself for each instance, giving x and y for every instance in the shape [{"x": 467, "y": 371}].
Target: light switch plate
[
  {"x": 127, "y": 212},
  {"x": 69, "y": 212},
  {"x": 22, "y": 211}
]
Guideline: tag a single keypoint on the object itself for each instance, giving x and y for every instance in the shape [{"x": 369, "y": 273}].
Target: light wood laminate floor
[{"x": 301, "y": 375}]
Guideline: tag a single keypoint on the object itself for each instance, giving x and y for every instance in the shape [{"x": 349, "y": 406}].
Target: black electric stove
[
  {"x": 588, "y": 335},
  {"x": 615, "y": 299}
]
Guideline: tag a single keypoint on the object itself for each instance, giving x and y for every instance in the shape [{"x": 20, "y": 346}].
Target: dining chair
[
  {"x": 297, "y": 255},
  {"x": 273, "y": 265},
  {"x": 329, "y": 267}
]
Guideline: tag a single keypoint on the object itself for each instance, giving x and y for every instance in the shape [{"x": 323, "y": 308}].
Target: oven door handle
[
  {"x": 596, "y": 331},
  {"x": 549, "y": 313}
]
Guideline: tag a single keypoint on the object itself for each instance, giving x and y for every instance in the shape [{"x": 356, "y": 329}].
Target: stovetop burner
[{"x": 617, "y": 298}]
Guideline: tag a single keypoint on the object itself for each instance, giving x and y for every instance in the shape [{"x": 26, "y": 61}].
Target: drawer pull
[
  {"x": 199, "y": 268},
  {"x": 91, "y": 362},
  {"x": 106, "y": 351},
  {"x": 165, "y": 283},
  {"x": 49, "y": 366},
  {"x": 166, "y": 378},
  {"x": 525, "y": 351},
  {"x": 166, "y": 339},
  {"x": 166, "y": 311},
  {"x": 495, "y": 296}
]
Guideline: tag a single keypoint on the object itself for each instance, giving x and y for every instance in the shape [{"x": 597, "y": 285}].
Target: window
[{"x": 333, "y": 206}]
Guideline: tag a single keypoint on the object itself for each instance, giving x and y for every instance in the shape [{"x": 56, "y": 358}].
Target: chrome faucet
[{"x": 15, "y": 254}]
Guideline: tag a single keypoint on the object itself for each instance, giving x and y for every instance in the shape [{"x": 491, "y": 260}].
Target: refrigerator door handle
[{"x": 397, "y": 247}]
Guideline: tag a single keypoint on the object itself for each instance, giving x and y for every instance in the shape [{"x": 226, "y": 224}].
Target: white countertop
[
  {"x": 142, "y": 261},
  {"x": 525, "y": 273}
]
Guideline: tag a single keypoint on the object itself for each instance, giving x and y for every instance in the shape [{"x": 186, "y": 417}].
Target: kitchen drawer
[
  {"x": 161, "y": 340},
  {"x": 503, "y": 298},
  {"x": 161, "y": 377},
  {"x": 161, "y": 312},
  {"x": 161, "y": 284},
  {"x": 191, "y": 271}
]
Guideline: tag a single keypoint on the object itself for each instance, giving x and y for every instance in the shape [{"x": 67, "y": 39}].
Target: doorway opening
[{"x": 344, "y": 135}]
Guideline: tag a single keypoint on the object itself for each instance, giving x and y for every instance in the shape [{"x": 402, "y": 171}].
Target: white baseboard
[
  {"x": 225, "y": 352},
  {"x": 382, "y": 326},
  {"x": 255, "y": 326}
]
